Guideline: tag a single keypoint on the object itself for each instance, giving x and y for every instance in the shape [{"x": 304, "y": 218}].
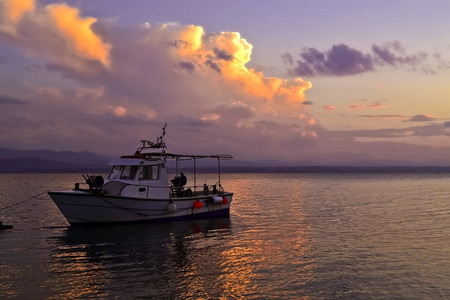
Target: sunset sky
[{"x": 330, "y": 81}]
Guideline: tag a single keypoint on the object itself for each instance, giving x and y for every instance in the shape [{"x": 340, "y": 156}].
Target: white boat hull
[{"x": 81, "y": 207}]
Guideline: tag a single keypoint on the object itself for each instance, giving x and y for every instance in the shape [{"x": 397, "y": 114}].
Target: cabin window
[
  {"x": 129, "y": 172},
  {"x": 148, "y": 173},
  {"x": 115, "y": 172}
]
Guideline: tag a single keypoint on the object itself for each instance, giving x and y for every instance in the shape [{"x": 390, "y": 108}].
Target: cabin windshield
[
  {"x": 129, "y": 172},
  {"x": 115, "y": 172},
  {"x": 145, "y": 172}
]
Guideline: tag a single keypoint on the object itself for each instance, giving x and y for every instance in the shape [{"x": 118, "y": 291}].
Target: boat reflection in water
[{"x": 174, "y": 260}]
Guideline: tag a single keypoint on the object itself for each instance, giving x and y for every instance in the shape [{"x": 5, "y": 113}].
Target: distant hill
[
  {"x": 12, "y": 160},
  {"x": 71, "y": 157},
  {"x": 236, "y": 166},
  {"x": 335, "y": 169}
]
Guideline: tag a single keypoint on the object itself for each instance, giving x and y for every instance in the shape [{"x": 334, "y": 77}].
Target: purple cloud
[
  {"x": 213, "y": 66},
  {"x": 33, "y": 68},
  {"x": 188, "y": 66},
  {"x": 10, "y": 100},
  {"x": 222, "y": 54},
  {"x": 340, "y": 60},
  {"x": 421, "y": 118},
  {"x": 392, "y": 53},
  {"x": 416, "y": 118},
  {"x": 382, "y": 116},
  {"x": 287, "y": 59}
]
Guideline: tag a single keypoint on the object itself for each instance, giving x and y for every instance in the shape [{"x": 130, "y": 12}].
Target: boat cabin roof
[
  {"x": 159, "y": 158},
  {"x": 134, "y": 162}
]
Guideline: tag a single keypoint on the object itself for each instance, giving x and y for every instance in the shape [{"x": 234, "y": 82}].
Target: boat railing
[{"x": 195, "y": 190}]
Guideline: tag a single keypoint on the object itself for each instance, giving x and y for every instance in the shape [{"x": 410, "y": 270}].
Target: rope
[
  {"x": 124, "y": 208},
  {"x": 138, "y": 213},
  {"x": 12, "y": 205}
]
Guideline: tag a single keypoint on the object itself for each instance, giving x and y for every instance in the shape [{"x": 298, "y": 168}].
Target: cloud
[
  {"x": 416, "y": 118},
  {"x": 213, "y": 66},
  {"x": 447, "y": 124},
  {"x": 188, "y": 66},
  {"x": 376, "y": 105},
  {"x": 226, "y": 53},
  {"x": 119, "y": 110},
  {"x": 10, "y": 100},
  {"x": 343, "y": 60},
  {"x": 385, "y": 134},
  {"x": 287, "y": 58},
  {"x": 328, "y": 107},
  {"x": 116, "y": 85},
  {"x": 121, "y": 83},
  {"x": 340, "y": 60},
  {"x": 232, "y": 113},
  {"x": 393, "y": 53},
  {"x": 11, "y": 13},
  {"x": 373, "y": 105},
  {"x": 383, "y": 116},
  {"x": 421, "y": 118},
  {"x": 357, "y": 106},
  {"x": 56, "y": 32},
  {"x": 33, "y": 68},
  {"x": 222, "y": 54},
  {"x": 78, "y": 33}
]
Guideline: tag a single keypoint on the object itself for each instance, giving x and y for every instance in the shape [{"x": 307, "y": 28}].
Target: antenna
[
  {"x": 160, "y": 139},
  {"x": 159, "y": 144}
]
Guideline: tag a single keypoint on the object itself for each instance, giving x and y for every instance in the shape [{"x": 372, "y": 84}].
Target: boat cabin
[{"x": 140, "y": 178}]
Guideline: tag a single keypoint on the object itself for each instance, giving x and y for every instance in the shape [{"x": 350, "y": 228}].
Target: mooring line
[{"x": 15, "y": 204}]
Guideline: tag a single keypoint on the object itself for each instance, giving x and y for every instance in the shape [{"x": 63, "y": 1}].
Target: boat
[{"x": 138, "y": 189}]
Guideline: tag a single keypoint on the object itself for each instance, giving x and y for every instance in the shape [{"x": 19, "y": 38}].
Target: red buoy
[
  {"x": 224, "y": 201},
  {"x": 198, "y": 204}
]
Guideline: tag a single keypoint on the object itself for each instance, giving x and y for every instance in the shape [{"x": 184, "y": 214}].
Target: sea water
[{"x": 289, "y": 236}]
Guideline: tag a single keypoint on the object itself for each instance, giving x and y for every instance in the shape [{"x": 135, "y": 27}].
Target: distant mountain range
[
  {"x": 45, "y": 161},
  {"x": 12, "y": 160}
]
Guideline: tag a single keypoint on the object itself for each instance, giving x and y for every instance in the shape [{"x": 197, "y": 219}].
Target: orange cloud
[
  {"x": 119, "y": 110},
  {"x": 309, "y": 120},
  {"x": 12, "y": 12},
  {"x": 383, "y": 116},
  {"x": 362, "y": 106},
  {"x": 376, "y": 105},
  {"x": 78, "y": 33},
  {"x": 227, "y": 53},
  {"x": 210, "y": 117},
  {"x": 328, "y": 107},
  {"x": 193, "y": 37},
  {"x": 357, "y": 107},
  {"x": 15, "y": 9},
  {"x": 56, "y": 32}
]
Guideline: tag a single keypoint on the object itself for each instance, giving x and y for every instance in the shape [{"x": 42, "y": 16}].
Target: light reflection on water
[
  {"x": 290, "y": 236},
  {"x": 172, "y": 261}
]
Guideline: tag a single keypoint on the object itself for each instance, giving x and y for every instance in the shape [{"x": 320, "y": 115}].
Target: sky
[{"x": 329, "y": 81}]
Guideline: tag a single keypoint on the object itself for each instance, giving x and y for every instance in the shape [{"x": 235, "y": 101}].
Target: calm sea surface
[{"x": 289, "y": 236}]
